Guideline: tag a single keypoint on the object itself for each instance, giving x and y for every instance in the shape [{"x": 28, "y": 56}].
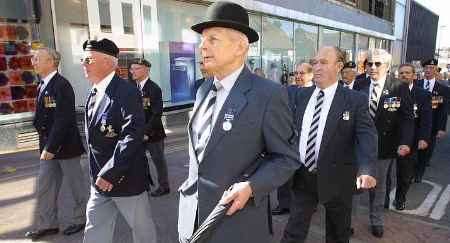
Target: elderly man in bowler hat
[
  {"x": 237, "y": 116},
  {"x": 114, "y": 124}
]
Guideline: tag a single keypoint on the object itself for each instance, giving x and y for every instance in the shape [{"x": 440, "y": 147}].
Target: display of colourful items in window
[{"x": 18, "y": 83}]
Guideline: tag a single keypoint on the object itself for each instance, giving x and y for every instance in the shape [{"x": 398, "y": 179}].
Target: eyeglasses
[
  {"x": 87, "y": 60},
  {"x": 377, "y": 64}
]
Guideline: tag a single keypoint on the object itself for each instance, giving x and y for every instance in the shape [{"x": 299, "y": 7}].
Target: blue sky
[{"x": 442, "y": 8}]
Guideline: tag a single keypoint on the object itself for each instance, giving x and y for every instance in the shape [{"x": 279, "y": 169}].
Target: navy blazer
[
  {"x": 349, "y": 142},
  {"x": 153, "y": 109},
  {"x": 115, "y": 140},
  {"x": 440, "y": 110},
  {"x": 422, "y": 114},
  {"x": 55, "y": 119},
  {"x": 395, "y": 126}
]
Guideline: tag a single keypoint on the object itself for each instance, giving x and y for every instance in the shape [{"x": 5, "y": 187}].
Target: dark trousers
[
  {"x": 284, "y": 195},
  {"x": 156, "y": 150},
  {"x": 404, "y": 167},
  {"x": 424, "y": 157},
  {"x": 304, "y": 203}
]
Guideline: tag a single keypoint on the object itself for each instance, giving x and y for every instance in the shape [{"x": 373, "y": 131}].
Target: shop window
[
  {"x": 278, "y": 48},
  {"x": 127, "y": 16},
  {"x": 328, "y": 37},
  {"x": 347, "y": 44},
  {"x": 306, "y": 37},
  {"x": 105, "y": 16}
]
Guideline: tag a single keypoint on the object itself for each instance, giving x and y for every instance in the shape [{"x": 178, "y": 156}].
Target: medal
[
  {"x": 227, "y": 126},
  {"x": 346, "y": 116},
  {"x": 102, "y": 128}
]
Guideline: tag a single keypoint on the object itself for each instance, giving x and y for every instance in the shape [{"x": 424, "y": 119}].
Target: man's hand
[
  {"x": 403, "y": 150},
  {"x": 45, "y": 155},
  {"x": 238, "y": 194},
  {"x": 422, "y": 145},
  {"x": 103, "y": 184},
  {"x": 440, "y": 134},
  {"x": 365, "y": 182}
]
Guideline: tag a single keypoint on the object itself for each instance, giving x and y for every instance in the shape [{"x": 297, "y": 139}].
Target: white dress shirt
[
  {"x": 47, "y": 79},
  {"x": 350, "y": 86},
  {"x": 308, "y": 116},
  {"x": 379, "y": 90},
  {"x": 142, "y": 83},
  {"x": 430, "y": 84},
  {"x": 101, "y": 89}
]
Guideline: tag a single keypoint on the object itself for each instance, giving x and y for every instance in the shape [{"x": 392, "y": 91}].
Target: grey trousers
[
  {"x": 51, "y": 175},
  {"x": 156, "y": 150},
  {"x": 376, "y": 195},
  {"x": 102, "y": 212}
]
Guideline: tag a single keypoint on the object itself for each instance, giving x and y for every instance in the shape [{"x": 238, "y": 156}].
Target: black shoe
[
  {"x": 418, "y": 179},
  {"x": 280, "y": 211},
  {"x": 377, "y": 231},
  {"x": 160, "y": 192},
  {"x": 399, "y": 205},
  {"x": 36, "y": 235},
  {"x": 72, "y": 229}
]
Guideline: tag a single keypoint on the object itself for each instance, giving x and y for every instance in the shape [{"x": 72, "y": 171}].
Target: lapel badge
[
  {"x": 415, "y": 111},
  {"x": 102, "y": 128},
  {"x": 385, "y": 92},
  {"x": 110, "y": 132},
  {"x": 228, "y": 118},
  {"x": 346, "y": 116}
]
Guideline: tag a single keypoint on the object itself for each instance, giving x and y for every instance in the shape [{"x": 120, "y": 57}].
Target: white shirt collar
[
  {"x": 309, "y": 84},
  {"x": 102, "y": 85},
  {"x": 228, "y": 82},
  {"x": 431, "y": 80},
  {"x": 380, "y": 82},
  {"x": 411, "y": 86},
  {"x": 49, "y": 77},
  {"x": 143, "y": 82},
  {"x": 329, "y": 91}
]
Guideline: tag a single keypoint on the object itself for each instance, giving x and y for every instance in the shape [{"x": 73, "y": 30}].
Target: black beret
[
  {"x": 430, "y": 62},
  {"x": 142, "y": 61},
  {"x": 104, "y": 46},
  {"x": 349, "y": 65}
]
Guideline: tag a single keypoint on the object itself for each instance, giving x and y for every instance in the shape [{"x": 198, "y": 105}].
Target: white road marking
[{"x": 441, "y": 205}]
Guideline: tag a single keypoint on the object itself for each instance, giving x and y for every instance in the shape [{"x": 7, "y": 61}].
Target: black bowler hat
[
  {"x": 349, "y": 65},
  {"x": 433, "y": 62},
  {"x": 104, "y": 46},
  {"x": 227, "y": 15}
]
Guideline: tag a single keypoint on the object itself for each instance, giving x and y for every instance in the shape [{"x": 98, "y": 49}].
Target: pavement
[{"x": 426, "y": 219}]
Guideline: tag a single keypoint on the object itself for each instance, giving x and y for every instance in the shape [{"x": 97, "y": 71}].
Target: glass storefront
[{"x": 158, "y": 30}]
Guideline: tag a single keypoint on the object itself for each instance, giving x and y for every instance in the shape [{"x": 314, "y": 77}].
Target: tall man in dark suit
[
  {"x": 439, "y": 105},
  {"x": 338, "y": 145},
  {"x": 114, "y": 123},
  {"x": 60, "y": 147},
  {"x": 154, "y": 133},
  {"x": 405, "y": 166},
  {"x": 391, "y": 108},
  {"x": 237, "y": 116}
]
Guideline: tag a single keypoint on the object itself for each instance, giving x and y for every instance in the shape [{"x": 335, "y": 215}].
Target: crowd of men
[{"x": 325, "y": 139}]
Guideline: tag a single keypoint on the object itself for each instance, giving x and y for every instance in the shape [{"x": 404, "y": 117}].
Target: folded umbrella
[{"x": 205, "y": 230}]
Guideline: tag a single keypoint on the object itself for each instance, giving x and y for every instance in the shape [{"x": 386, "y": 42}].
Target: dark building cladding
[{"x": 423, "y": 25}]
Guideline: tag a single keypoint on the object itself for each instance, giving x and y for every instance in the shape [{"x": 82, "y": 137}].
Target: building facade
[{"x": 159, "y": 30}]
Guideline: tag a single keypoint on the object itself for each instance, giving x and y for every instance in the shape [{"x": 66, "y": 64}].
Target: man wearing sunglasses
[
  {"x": 114, "y": 124},
  {"x": 391, "y": 108}
]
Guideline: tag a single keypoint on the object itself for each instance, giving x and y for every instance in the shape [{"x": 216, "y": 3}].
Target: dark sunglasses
[
  {"x": 87, "y": 60},
  {"x": 377, "y": 64}
]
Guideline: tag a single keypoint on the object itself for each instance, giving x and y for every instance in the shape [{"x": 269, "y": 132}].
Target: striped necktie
[
  {"x": 373, "y": 105},
  {"x": 205, "y": 121},
  {"x": 310, "y": 157},
  {"x": 426, "y": 85},
  {"x": 91, "y": 103}
]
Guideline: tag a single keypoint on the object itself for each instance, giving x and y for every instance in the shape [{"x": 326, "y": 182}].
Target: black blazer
[
  {"x": 55, "y": 120},
  {"x": 349, "y": 142},
  {"x": 115, "y": 140},
  {"x": 440, "y": 109},
  {"x": 153, "y": 109},
  {"x": 422, "y": 114},
  {"x": 396, "y": 126}
]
